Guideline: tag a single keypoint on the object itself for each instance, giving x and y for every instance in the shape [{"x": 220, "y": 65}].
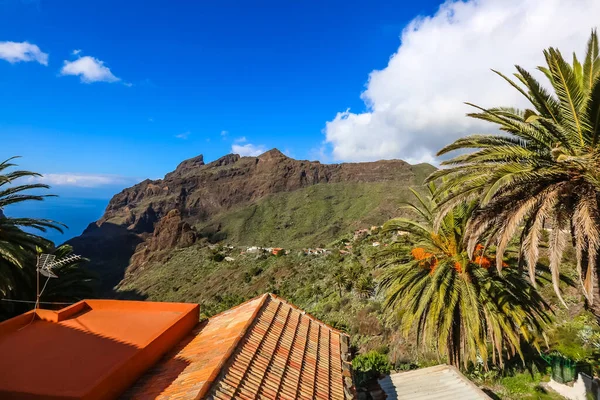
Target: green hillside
[
  {"x": 313, "y": 216},
  {"x": 201, "y": 274}
]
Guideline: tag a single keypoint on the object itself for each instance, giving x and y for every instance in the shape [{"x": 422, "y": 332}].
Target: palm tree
[
  {"x": 364, "y": 286},
  {"x": 19, "y": 248},
  {"x": 17, "y": 245},
  {"x": 340, "y": 279},
  {"x": 454, "y": 302},
  {"x": 544, "y": 172}
]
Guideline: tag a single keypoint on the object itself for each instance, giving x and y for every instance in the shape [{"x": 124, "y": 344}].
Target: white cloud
[
  {"x": 248, "y": 149},
  {"x": 415, "y": 104},
  {"x": 240, "y": 139},
  {"x": 76, "y": 52},
  {"x": 224, "y": 133},
  {"x": 89, "y": 69},
  {"x": 82, "y": 180},
  {"x": 183, "y": 135},
  {"x": 14, "y": 52}
]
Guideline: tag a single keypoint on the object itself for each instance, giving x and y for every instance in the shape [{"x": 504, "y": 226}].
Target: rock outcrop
[
  {"x": 170, "y": 232},
  {"x": 160, "y": 213},
  {"x": 199, "y": 190}
]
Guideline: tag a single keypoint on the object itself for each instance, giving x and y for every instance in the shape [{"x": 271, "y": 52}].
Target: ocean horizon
[{"x": 76, "y": 213}]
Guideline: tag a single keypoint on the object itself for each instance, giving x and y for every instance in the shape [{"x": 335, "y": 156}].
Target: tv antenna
[{"x": 44, "y": 265}]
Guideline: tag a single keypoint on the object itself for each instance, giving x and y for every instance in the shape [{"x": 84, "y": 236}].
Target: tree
[
  {"x": 364, "y": 286},
  {"x": 543, "y": 173},
  {"x": 340, "y": 279},
  {"x": 18, "y": 246},
  {"x": 454, "y": 302}
]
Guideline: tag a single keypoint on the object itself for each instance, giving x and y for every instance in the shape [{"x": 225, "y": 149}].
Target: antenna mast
[{"x": 44, "y": 265}]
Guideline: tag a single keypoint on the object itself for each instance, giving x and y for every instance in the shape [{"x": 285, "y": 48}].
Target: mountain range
[{"x": 268, "y": 200}]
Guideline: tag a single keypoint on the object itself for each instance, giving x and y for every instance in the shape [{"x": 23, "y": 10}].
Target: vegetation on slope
[{"x": 313, "y": 216}]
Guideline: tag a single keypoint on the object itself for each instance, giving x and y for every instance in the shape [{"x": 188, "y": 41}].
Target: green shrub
[
  {"x": 405, "y": 366},
  {"x": 255, "y": 270},
  {"x": 280, "y": 253},
  {"x": 218, "y": 257},
  {"x": 522, "y": 384},
  {"x": 370, "y": 366}
]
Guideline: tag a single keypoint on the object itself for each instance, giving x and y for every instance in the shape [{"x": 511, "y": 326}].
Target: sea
[{"x": 76, "y": 213}]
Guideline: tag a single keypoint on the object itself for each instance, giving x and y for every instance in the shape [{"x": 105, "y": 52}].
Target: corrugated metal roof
[{"x": 439, "y": 382}]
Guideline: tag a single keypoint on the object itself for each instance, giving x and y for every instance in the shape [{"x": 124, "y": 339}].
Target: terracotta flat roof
[
  {"x": 265, "y": 348},
  {"x": 94, "y": 349}
]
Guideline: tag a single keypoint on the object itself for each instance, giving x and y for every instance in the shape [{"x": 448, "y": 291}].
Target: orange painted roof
[
  {"x": 265, "y": 348},
  {"x": 91, "y": 350}
]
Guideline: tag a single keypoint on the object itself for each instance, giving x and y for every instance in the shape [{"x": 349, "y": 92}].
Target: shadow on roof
[
  {"x": 93, "y": 349},
  {"x": 60, "y": 360}
]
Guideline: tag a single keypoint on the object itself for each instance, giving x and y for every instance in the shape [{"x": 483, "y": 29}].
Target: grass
[
  {"x": 309, "y": 217},
  {"x": 524, "y": 385}
]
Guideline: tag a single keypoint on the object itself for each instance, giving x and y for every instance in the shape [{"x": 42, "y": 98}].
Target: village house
[
  {"x": 276, "y": 251},
  {"x": 254, "y": 249},
  {"x": 316, "y": 252},
  {"x": 361, "y": 233},
  {"x": 106, "y": 349}
]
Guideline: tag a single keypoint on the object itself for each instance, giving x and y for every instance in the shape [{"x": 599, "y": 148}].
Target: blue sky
[
  {"x": 97, "y": 95},
  {"x": 269, "y": 72}
]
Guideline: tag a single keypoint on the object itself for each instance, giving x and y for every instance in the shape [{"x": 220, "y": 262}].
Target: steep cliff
[{"x": 270, "y": 198}]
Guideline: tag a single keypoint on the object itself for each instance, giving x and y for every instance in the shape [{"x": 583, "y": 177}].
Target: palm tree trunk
[
  {"x": 595, "y": 306},
  {"x": 454, "y": 341}
]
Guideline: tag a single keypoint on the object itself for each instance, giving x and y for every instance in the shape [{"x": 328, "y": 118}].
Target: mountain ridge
[{"x": 241, "y": 199}]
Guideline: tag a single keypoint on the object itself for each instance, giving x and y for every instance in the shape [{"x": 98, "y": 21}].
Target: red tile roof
[
  {"x": 188, "y": 370},
  {"x": 265, "y": 348}
]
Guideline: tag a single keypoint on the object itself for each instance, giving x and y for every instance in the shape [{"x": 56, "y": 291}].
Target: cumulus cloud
[
  {"x": 240, "y": 139},
  {"x": 248, "y": 149},
  {"x": 14, "y": 52},
  {"x": 82, "y": 180},
  {"x": 183, "y": 135},
  {"x": 89, "y": 69},
  {"x": 76, "y": 52},
  {"x": 415, "y": 105}
]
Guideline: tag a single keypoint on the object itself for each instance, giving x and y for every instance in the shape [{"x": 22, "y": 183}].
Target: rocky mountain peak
[
  {"x": 272, "y": 154},
  {"x": 187, "y": 165},
  {"x": 225, "y": 160}
]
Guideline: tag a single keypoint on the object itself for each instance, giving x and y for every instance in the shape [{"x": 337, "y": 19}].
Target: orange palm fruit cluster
[{"x": 428, "y": 260}]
